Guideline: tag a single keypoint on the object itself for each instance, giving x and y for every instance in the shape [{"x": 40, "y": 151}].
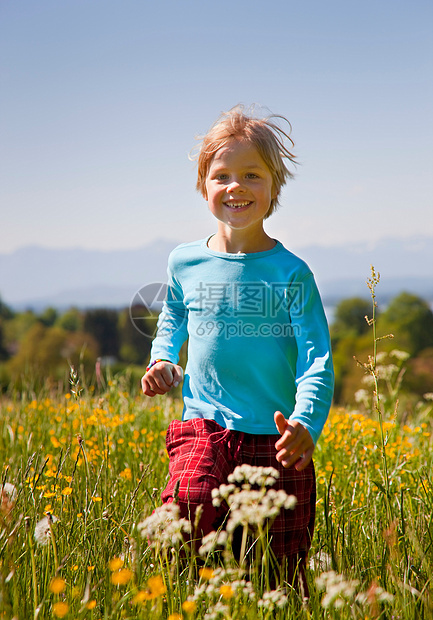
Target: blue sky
[{"x": 101, "y": 101}]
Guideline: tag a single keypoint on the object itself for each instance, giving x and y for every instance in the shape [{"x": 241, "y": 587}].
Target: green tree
[
  {"x": 102, "y": 324},
  {"x": 349, "y": 317},
  {"x": 71, "y": 320},
  {"x": 17, "y": 327},
  {"x": 410, "y": 319},
  {"x": 3, "y": 350},
  {"x": 47, "y": 352},
  {"x": 134, "y": 343},
  {"x": 48, "y": 317},
  {"x": 5, "y": 312}
]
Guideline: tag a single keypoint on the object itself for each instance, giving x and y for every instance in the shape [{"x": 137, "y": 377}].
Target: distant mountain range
[{"x": 36, "y": 277}]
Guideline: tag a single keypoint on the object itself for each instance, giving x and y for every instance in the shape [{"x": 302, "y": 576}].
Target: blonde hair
[{"x": 263, "y": 133}]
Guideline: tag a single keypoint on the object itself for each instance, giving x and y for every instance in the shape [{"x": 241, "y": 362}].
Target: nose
[{"x": 234, "y": 186}]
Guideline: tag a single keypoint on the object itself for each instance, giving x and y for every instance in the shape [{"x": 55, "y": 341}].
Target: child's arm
[
  {"x": 163, "y": 374},
  {"x": 161, "y": 378},
  {"x": 314, "y": 369},
  {"x": 296, "y": 445}
]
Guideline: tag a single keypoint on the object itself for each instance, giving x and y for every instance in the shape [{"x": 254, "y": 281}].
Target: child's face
[{"x": 239, "y": 187}]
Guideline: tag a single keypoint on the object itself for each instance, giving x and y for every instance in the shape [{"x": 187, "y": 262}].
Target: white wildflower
[
  {"x": 260, "y": 476},
  {"x": 222, "y": 493},
  {"x": 339, "y": 590},
  {"x": 387, "y": 372},
  {"x": 381, "y": 357},
  {"x": 252, "y": 507},
  {"x": 214, "y": 612},
  {"x": 210, "y": 592},
  {"x": 361, "y": 396},
  {"x": 11, "y": 491},
  {"x": 376, "y": 594},
  {"x": 213, "y": 540},
  {"x": 225, "y": 575},
  {"x": 43, "y": 529},
  {"x": 273, "y": 599},
  {"x": 8, "y": 497},
  {"x": 402, "y": 356},
  {"x": 428, "y": 396},
  {"x": 163, "y": 528}
]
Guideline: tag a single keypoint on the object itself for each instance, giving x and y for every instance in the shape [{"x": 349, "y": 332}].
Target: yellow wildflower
[
  {"x": 174, "y": 617},
  {"x": 60, "y": 609},
  {"x": 141, "y": 596},
  {"x": 189, "y": 607},
  {"x": 91, "y": 604},
  {"x": 226, "y": 592},
  {"x": 121, "y": 577},
  {"x": 126, "y": 474},
  {"x": 206, "y": 573},
  {"x": 156, "y": 585},
  {"x": 115, "y": 564},
  {"x": 67, "y": 491},
  {"x": 57, "y": 585}
]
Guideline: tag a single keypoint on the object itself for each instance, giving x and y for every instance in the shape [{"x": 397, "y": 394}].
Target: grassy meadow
[{"x": 82, "y": 472}]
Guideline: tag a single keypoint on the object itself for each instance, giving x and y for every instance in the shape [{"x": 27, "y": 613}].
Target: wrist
[{"x": 153, "y": 362}]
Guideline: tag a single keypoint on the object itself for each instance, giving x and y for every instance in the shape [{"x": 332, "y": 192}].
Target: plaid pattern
[{"x": 203, "y": 454}]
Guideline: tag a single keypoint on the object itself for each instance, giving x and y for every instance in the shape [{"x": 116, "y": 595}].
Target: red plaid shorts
[{"x": 203, "y": 454}]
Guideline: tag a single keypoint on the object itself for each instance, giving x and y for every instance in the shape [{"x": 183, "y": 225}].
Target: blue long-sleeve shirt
[{"x": 258, "y": 339}]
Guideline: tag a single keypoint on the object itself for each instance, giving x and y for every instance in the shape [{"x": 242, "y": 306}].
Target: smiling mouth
[{"x": 238, "y": 205}]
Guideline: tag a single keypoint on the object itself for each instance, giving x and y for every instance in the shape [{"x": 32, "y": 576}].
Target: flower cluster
[
  {"x": 259, "y": 476},
  {"x": 252, "y": 507},
  {"x": 43, "y": 529},
  {"x": 212, "y": 541},
  {"x": 218, "y": 587},
  {"x": 338, "y": 590},
  {"x": 163, "y": 528},
  {"x": 275, "y": 599},
  {"x": 8, "y": 498}
]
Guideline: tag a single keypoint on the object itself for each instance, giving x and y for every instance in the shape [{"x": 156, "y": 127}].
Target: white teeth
[{"x": 237, "y": 204}]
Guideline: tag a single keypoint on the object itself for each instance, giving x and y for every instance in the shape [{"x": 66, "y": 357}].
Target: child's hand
[
  {"x": 161, "y": 378},
  {"x": 295, "y": 445}
]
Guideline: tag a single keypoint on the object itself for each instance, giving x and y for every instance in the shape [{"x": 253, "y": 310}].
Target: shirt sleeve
[
  {"x": 172, "y": 326},
  {"x": 314, "y": 368}
]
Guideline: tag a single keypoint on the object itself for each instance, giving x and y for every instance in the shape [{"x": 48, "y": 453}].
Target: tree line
[{"x": 38, "y": 349}]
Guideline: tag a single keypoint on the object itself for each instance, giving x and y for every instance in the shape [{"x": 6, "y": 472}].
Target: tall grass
[{"x": 82, "y": 474}]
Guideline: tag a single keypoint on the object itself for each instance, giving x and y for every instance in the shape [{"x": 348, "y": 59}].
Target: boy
[{"x": 259, "y": 357}]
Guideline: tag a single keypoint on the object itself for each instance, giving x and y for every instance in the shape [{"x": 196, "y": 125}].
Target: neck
[{"x": 235, "y": 244}]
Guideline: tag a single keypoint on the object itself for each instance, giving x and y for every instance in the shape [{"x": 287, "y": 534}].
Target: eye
[
  {"x": 252, "y": 175},
  {"x": 222, "y": 176}
]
